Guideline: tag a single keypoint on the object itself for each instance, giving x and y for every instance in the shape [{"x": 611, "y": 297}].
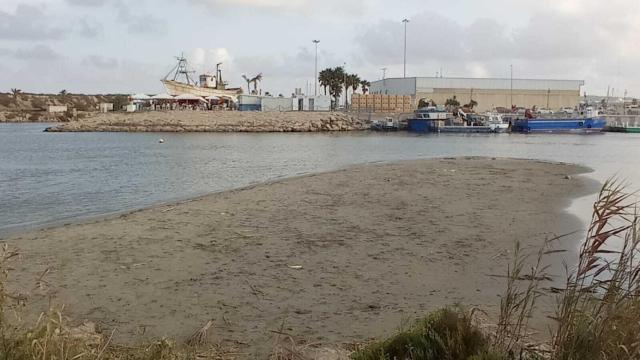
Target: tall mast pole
[
  {"x": 316, "y": 73},
  {"x": 405, "y": 21},
  {"x": 511, "y": 68}
]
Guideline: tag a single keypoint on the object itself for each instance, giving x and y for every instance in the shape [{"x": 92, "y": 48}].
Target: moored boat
[
  {"x": 622, "y": 129},
  {"x": 576, "y": 125},
  {"x": 433, "y": 120}
]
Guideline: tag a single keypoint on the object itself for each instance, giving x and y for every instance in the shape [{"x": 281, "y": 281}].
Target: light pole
[
  {"x": 405, "y": 21},
  {"x": 316, "y": 73},
  {"x": 511, "y": 69}
]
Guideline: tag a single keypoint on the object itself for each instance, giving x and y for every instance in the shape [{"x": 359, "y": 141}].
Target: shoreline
[
  {"x": 16, "y": 230},
  {"x": 121, "y": 262},
  {"x": 215, "y": 121}
]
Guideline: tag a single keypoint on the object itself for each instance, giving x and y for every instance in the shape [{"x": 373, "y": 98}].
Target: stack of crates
[
  {"x": 377, "y": 102},
  {"x": 381, "y": 103},
  {"x": 355, "y": 101}
]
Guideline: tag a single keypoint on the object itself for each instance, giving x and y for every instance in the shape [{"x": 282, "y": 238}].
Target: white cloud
[{"x": 28, "y": 23}]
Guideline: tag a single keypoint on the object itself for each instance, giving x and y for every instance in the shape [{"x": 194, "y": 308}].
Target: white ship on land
[{"x": 209, "y": 85}]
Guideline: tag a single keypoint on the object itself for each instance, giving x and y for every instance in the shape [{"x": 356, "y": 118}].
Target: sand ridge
[{"x": 337, "y": 257}]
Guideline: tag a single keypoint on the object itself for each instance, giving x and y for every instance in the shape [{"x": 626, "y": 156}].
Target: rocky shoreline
[{"x": 215, "y": 121}]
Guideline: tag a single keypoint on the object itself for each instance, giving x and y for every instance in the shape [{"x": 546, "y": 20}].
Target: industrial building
[
  {"x": 295, "y": 103},
  {"x": 488, "y": 93}
]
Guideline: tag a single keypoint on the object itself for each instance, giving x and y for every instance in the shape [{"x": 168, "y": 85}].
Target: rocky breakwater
[{"x": 215, "y": 121}]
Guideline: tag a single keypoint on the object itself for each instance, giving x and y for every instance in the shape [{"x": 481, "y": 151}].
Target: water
[{"x": 48, "y": 178}]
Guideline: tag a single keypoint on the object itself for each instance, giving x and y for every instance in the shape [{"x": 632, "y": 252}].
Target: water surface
[{"x": 48, "y": 178}]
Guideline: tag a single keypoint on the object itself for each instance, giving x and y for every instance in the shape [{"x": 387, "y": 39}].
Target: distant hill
[{"x": 33, "y": 107}]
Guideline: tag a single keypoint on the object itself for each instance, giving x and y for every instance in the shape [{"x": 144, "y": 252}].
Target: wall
[
  {"x": 489, "y": 93},
  {"x": 320, "y": 103},
  {"x": 276, "y": 104},
  {"x": 249, "y": 100},
  {"x": 394, "y": 87},
  {"x": 490, "y": 99}
]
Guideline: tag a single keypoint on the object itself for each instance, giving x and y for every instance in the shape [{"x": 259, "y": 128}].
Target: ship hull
[
  {"x": 582, "y": 125},
  {"x": 175, "y": 88}
]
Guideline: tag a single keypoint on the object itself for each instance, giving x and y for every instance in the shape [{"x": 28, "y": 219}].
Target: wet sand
[{"x": 335, "y": 257}]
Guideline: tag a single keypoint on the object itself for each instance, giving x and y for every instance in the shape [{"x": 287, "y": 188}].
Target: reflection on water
[{"x": 53, "y": 177}]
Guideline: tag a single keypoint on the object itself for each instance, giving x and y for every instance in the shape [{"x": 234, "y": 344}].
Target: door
[
  {"x": 312, "y": 105},
  {"x": 300, "y": 104}
]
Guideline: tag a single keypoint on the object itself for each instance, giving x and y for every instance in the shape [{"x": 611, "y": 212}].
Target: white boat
[
  {"x": 179, "y": 82},
  {"x": 496, "y": 123}
]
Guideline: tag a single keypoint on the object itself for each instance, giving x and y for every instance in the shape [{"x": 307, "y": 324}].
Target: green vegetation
[
  {"x": 445, "y": 334},
  {"x": 452, "y": 102},
  {"x": 336, "y": 80},
  {"x": 15, "y": 93}
]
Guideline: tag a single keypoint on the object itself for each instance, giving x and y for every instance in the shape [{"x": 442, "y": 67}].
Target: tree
[
  {"x": 324, "y": 78},
  {"x": 15, "y": 93},
  {"x": 453, "y": 102},
  {"x": 63, "y": 92},
  {"x": 364, "y": 84},
  {"x": 353, "y": 82},
  {"x": 471, "y": 104},
  {"x": 336, "y": 81},
  {"x": 248, "y": 83},
  {"x": 255, "y": 80}
]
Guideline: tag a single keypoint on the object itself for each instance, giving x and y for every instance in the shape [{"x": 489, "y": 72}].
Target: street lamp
[
  {"x": 405, "y": 21},
  {"x": 316, "y": 73},
  {"x": 511, "y": 92}
]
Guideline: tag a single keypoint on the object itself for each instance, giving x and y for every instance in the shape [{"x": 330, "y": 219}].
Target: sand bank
[
  {"x": 215, "y": 121},
  {"x": 335, "y": 257}
]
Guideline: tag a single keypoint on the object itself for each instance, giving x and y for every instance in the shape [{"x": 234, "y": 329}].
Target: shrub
[{"x": 445, "y": 334}]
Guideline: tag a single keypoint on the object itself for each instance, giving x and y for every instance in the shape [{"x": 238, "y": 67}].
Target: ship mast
[{"x": 182, "y": 68}]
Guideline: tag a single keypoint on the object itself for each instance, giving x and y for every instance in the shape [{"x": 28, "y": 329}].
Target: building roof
[{"x": 418, "y": 84}]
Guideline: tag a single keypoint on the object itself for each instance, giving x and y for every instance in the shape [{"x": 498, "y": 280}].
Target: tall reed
[{"x": 598, "y": 314}]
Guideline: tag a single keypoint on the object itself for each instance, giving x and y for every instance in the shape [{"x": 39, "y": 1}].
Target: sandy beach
[{"x": 334, "y": 257}]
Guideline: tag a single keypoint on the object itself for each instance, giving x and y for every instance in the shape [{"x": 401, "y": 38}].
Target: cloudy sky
[{"x": 126, "y": 46}]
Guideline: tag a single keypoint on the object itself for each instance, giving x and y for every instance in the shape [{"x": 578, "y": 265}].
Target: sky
[{"x": 127, "y": 46}]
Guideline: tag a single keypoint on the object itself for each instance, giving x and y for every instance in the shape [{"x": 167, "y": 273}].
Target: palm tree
[
  {"x": 364, "y": 84},
  {"x": 325, "y": 79},
  {"x": 353, "y": 81},
  {"x": 336, "y": 83},
  {"x": 16, "y": 93},
  {"x": 255, "y": 82},
  {"x": 248, "y": 83}
]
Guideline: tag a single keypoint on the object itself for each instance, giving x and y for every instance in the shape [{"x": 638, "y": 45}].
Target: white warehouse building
[{"x": 488, "y": 93}]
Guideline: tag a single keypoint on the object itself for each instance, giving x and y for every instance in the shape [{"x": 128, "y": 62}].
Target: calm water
[{"x": 48, "y": 178}]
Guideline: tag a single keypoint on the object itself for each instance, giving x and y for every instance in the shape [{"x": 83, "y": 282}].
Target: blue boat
[
  {"x": 426, "y": 120},
  {"x": 574, "y": 125}
]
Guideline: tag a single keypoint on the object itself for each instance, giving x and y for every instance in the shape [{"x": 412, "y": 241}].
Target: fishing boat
[
  {"x": 622, "y": 127},
  {"x": 431, "y": 119},
  {"x": 576, "y": 125},
  {"x": 388, "y": 124},
  {"x": 178, "y": 82},
  {"x": 587, "y": 122}
]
